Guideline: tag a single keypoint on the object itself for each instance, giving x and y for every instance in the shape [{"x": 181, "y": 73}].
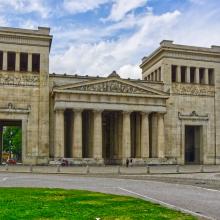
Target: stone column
[
  {"x": 77, "y": 134},
  {"x": 178, "y": 74},
  {"x": 138, "y": 136},
  {"x": 126, "y": 135},
  {"x": 120, "y": 135},
  {"x": 115, "y": 152},
  {"x": 206, "y": 76},
  {"x": 161, "y": 138},
  {"x": 5, "y": 60},
  {"x": 97, "y": 134},
  {"x": 59, "y": 134},
  {"x": 144, "y": 135},
  {"x": 154, "y": 136},
  {"x": 188, "y": 74},
  {"x": 29, "y": 62},
  {"x": 17, "y": 62},
  {"x": 197, "y": 75}
]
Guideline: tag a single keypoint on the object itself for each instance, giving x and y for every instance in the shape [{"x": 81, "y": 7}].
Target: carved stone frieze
[
  {"x": 190, "y": 56},
  {"x": 113, "y": 86},
  {"x": 23, "y": 40},
  {"x": 19, "y": 79},
  {"x": 193, "y": 89}
]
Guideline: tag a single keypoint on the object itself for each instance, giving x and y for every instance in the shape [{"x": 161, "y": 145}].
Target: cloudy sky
[{"x": 94, "y": 37}]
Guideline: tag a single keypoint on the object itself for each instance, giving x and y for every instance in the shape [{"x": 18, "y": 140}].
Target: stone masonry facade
[{"x": 170, "y": 116}]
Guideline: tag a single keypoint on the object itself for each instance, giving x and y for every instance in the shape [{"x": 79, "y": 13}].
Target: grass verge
[{"x": 35, "y": 203}]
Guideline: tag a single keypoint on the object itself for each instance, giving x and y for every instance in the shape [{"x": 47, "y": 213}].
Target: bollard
[
  {"x": 31, "y": 168},
  {"x": 58, "y": 168},
  {"x": 177, "y": 168},
  {"x": 148, "y": 169},
  {"x": 201, "y": 168},
  {"x": 87, "y": 169},
  {"x": 119, "y": 170},
  {"x": 6, "y": 167}
]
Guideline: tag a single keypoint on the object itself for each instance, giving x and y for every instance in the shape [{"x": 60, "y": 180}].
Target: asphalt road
[{"x": 199, "y": 201}]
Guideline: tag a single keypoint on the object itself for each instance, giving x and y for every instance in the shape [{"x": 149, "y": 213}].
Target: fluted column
[
  {"x": 59, "y": 134},
  {"x": 126, "y": 135},
  {"x": 161, "y": 138},
  {"x": 197, "y": 75},
  {"x": 154, "y": 135},
  {"x": 144, "y": 135},
  {"x": 206, "y": 77},
  {"x": 29, "y": 62},
  {"x": 97, "y": 134},
  {"x": 17, "y": 62},
  {"x": 178, "y": 74},
  {"x": 77, "y": 134},
  {"x": 5, "y": 60},
  {"x": 188, "y": 74}
]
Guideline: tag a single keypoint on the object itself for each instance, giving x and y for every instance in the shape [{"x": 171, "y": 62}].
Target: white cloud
[
  {"x": 89, "y": 53},
  {"x": 78, "y": 6},
  {"x": 25, "y": 6},
  {"x": 3, "y": 21},
  {"x": 121, "y": 7},
  {"x": 122, "y": 54}
]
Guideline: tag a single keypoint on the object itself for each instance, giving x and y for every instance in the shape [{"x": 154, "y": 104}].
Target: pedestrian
[
  {"x": 131, "y": 162},
  {"x": 127, "y": 162}
]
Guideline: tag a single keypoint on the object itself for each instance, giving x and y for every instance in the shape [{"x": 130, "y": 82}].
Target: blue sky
[{"x": 94, "y": 37}]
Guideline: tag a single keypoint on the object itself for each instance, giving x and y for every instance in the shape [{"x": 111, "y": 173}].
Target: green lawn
[{"x": 29, "y": 203}]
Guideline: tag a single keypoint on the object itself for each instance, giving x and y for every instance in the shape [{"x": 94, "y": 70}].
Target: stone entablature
[
  {"x": 193, "y": 89},
  {"x": 38, "y": 37},
  {"x": 170, "y": 50}
]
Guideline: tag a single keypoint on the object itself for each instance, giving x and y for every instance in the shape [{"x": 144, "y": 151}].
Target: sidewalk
[{"x": 114, "y": 170}]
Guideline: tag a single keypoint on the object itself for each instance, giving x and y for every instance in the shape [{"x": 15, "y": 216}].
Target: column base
[
  {"x": 35, "y": 160},
  {"x": 82, "y": 161},
  {"x": 149, "y": 161}
]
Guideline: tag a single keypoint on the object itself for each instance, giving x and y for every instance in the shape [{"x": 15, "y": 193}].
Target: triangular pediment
[{"x": 110, "y": 85}]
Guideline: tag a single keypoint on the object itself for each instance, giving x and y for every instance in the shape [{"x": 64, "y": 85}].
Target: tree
[{"x": 12, "y": 140}]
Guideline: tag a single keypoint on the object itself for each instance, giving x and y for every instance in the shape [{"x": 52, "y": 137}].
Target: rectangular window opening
[
  {"x": 183, "y": 74},
  {"x": 192, "y": 74},
  {"x": 159, "y": 74},
  {"x": 173, "y": 72},
  {"x": 1, "y": 60},
  {"x": 24, "y": 62},
  {"x": 211, "y": 76},
  {"x": 11, "y": 61},
  {"x": 201, "y": 75},
  {"x": 36, "y": 63}
]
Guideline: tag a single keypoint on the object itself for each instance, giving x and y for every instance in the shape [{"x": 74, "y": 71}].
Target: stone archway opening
[
  {"x": 193, "y": 143},
  {"x": 11, "y": 140}
]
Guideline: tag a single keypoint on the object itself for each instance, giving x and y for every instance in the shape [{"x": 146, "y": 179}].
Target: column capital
[
  {"x": 160, "y": 113},
  {"x": 126, "y": 112},
  {"x": 98, "y": 110},
  {"x": 144, "y": 113},
  {"x": 60, "y": 110},
  {"x": 77, "y": 110}
]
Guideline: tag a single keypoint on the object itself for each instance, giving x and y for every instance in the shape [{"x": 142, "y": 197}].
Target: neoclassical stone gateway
[{"x": 172, "y": 115}]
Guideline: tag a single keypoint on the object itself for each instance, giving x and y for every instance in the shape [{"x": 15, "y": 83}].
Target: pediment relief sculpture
[{"x": 111, "y": 86}]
